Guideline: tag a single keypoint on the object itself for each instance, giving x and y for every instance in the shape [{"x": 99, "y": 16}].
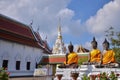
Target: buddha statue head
[
  {"x": 94, "y": 43},
  {"x": 70, "y": 47},
  {"x": 105, "y": 44}
]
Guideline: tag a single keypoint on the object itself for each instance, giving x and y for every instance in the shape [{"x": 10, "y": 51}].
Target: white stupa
[{"x": 59, "y": 47}]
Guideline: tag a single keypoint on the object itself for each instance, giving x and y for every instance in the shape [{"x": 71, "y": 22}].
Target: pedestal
[
  {"x": 93, "y": 77},
  {"x": 74, "y": 76},
  {"x": 59, "y": 76}
]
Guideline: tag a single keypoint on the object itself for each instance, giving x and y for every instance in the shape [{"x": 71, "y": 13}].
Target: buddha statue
[
  {"x": 71, "y": 58},
  {"x": 94, "y": 56},
  {"x": 108, "y": 55},
  {"x": 95, "y": 53}
]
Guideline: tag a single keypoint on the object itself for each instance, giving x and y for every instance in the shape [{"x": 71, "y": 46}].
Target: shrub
[
  {"x": 113, "y": 76},
  {"x": 85, "y": 77},
  {"x": 104, "y": 76},
  {"x": 4, "y": 75}
]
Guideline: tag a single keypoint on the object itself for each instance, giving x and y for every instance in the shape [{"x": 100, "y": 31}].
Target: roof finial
[
  {"x": 59, "y": 20},
  {"x": 59, "y": 30},
  {"x": 38, "y": 29},
  {"x": 59, "y": 25},
  {"x": 31, "y": 22},
  {"x": 46, "y": 38}
]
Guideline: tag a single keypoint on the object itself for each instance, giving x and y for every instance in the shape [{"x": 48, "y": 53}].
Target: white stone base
[{"x": 84, "y": 69}]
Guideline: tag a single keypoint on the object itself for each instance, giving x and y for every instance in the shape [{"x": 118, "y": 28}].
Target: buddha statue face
[
  {"x": 70, "y": 47},
  {"x": 105, "y": 45},
  {"x": 94, "y": 43}
]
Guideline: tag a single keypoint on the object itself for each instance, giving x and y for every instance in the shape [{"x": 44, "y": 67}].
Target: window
[
  {"x": 28, "y": 66},
  {"x": 36, "y": 66},
  {"x": 5, "y": 64},
  {"x": 17, "y": 65}
]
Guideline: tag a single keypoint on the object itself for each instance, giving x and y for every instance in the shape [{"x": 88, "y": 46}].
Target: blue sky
[
  {"x": 81, "y": 20},
  {"x": 86, "y": 8}
]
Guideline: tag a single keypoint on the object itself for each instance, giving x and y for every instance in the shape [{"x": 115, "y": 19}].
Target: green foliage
[
  {"x": 112, "y": 76},
  {"x": 39, "y": 66},
  {"x": 85, "y": 77},
  {"x": 117, "y": 54},
  {"x": 81, "y": 60},
  {"x": 4, "y": 75},
  {"x": 113, "y": 36},
  {"x": 103, "y": 76}
]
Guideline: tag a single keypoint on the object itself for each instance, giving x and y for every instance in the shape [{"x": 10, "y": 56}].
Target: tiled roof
[
  {"x": 15, "y": 31},
  {"x": 15, "y": 27},
  {"x": 81, "y": 49}
]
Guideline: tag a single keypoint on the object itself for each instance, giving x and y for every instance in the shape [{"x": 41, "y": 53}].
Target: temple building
[
  {"x": 81, "y": 49},
  {"x": 59, "y": 47},
  {"x": 21, "y": 48}
]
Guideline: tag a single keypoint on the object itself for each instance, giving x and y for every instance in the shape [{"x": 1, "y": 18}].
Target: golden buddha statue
[
  {"x": 95, "y": 53},
  {"x": 108, "y": 55},
  {"x": 71, "y": 58},
  {"x": 94, "y": 56}
]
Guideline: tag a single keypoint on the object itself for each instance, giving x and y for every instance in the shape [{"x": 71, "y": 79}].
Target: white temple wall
[{"x": 17, "y": 52}]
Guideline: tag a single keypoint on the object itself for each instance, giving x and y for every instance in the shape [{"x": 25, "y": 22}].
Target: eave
[{"x": 18, "y": 39}]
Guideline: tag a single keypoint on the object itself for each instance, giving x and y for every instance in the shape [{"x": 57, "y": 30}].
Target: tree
[{"x": 114, "y": 38}]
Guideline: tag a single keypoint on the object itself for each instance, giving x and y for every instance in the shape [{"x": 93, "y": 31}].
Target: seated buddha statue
[
  {"x": 95, "y": 53},
  {"x": 71, "y": 58},
  {"x": 94, "y": 56},
  {"x": 108, "y": 55}
]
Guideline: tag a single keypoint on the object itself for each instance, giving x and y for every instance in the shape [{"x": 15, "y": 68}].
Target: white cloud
[
  {"x": 45, "y": 15},
  {"x": 66, "y": 14},
  {"x": 106, "y": 17},
  {"x": 87, "y": 45},
  {"x": 76, "y": 46}
]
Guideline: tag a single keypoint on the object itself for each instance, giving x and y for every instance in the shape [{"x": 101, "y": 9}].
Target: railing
[{"x": 88, "y": 70}]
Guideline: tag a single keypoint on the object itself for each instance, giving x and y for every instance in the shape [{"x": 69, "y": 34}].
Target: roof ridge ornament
[
  {"x": 31, "y": 23},
  {"x": 38, "y": 29}
]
